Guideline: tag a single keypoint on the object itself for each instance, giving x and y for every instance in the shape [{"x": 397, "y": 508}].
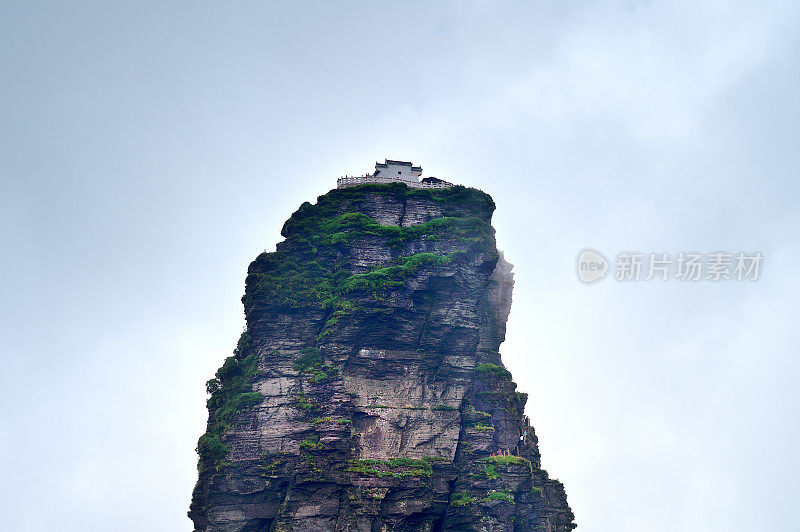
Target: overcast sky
[{"x": 149, "y": 151}]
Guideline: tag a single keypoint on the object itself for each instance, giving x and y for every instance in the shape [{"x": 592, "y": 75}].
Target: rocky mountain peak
[{"x": 368, "y": 391}]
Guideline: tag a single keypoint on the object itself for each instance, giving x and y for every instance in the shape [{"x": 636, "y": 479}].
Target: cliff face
[{"x": 367, "y": 392}]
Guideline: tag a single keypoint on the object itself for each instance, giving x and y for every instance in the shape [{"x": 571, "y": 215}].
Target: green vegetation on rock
[
  {"x": 490, "y": 472},
  {"x": 231, "y": 392},
  {"x": 461, "y": 499},
  {"x": 509, "y": 459},
  {"x": 455, "y": 201},
  {"x": 493, "y": 369},
  {"x": 301, "y": 277},
  {"x": 303, "y": 403},
  {"x": 408, "y": 467},
  {"x": 311, "y": 443},
  {"x": 392, "y": 276},
  {"x": 310, "y": 361},
  {"x": 309, "y": 358},
  {"x": 502, "y": 495}
]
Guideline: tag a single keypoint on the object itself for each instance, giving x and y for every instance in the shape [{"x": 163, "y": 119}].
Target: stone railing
[{"x": 352, "y": 181}]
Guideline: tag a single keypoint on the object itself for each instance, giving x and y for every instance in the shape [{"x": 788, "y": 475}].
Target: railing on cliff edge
[{"x": 352, "y": 181}]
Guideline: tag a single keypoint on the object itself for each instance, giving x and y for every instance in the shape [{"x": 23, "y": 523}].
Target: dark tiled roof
[{"x": 398, "y": 163}]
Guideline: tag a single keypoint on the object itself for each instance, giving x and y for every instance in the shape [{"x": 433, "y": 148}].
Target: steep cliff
[{"x": 367, "y": 392}]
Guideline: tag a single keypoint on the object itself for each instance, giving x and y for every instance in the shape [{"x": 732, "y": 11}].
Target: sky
[{"x": 150, "y": 150}]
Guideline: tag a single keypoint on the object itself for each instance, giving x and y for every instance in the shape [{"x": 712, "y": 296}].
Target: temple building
[{"x": 394, "y": 172}]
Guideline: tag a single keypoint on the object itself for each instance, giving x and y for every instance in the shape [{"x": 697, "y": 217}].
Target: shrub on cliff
[
  {"x": 493, "y": 369},
  {"x": 231, "y": 393}
]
